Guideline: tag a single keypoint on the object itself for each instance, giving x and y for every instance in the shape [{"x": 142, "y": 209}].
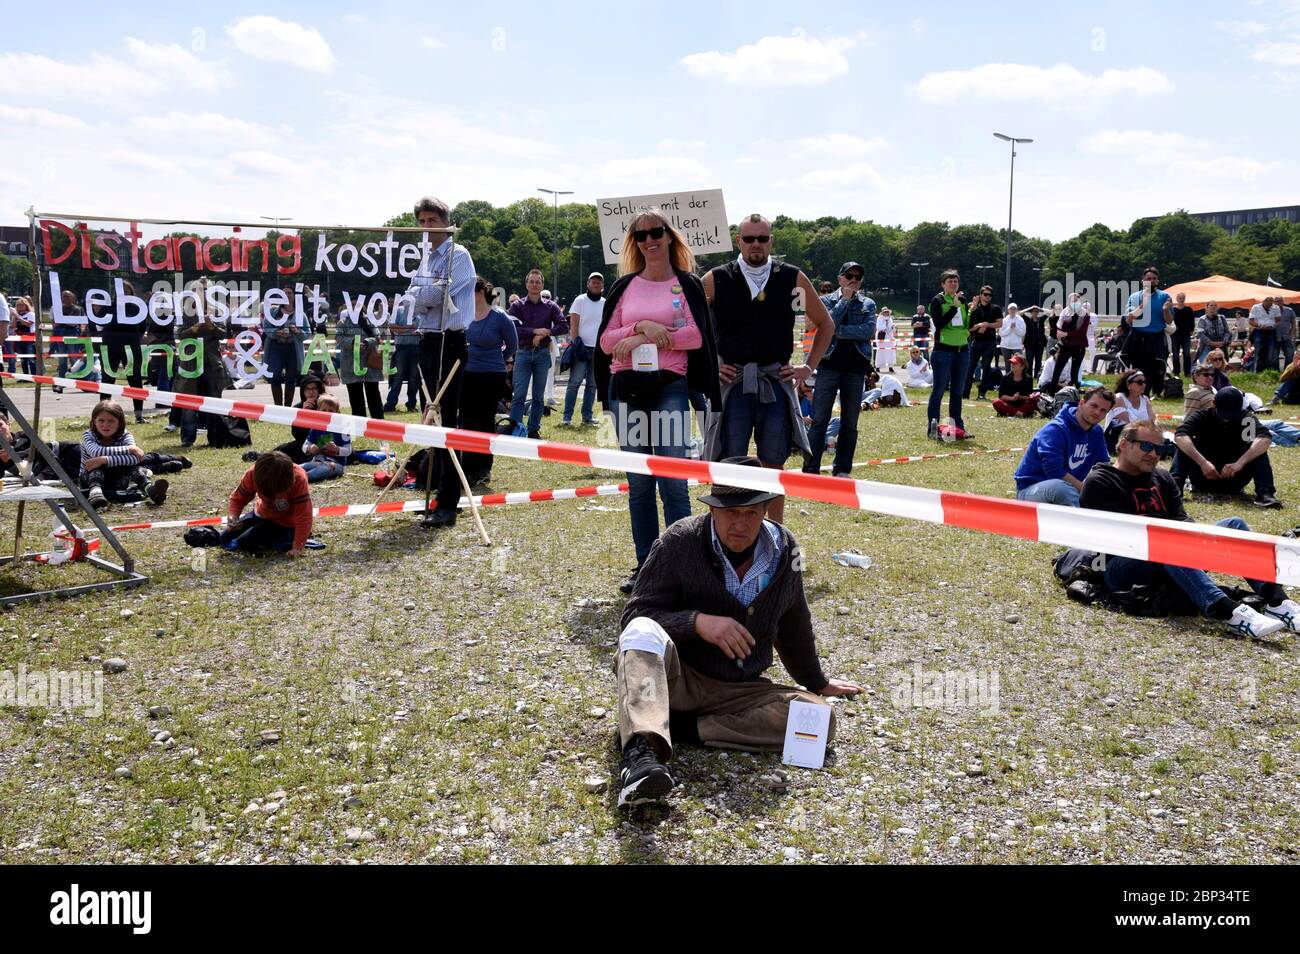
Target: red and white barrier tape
[{"x": 1218, "y": 549}]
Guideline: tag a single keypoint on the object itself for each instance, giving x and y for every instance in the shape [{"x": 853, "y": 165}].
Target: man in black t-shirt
[
  {"x": 1223, "y": 448},
  {"x": 921, "y": 331},
  {"x": 1134, "y": 485},
  {"x": 1184, "y": 326}
]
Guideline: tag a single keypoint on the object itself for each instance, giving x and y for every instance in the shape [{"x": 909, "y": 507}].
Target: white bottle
[{"x": 852, "y": 559}]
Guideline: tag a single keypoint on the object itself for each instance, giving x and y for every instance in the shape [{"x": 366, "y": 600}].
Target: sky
[{"x": 336, "y": 113}]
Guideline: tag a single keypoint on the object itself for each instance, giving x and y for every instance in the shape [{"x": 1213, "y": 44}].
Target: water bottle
[
  {"x": 852, "y": 559},
  {"x": 49, "y": 431},
  {"x": 199, "y": 560},
  {"x": 679, "y": 319}
]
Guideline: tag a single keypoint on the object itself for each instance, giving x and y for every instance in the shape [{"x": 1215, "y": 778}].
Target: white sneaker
[
  {"x": 1246, "y": 622},
  {"x": 1288, "y": 611}
]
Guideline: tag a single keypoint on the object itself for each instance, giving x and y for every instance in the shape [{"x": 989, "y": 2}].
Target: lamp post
[
  {"x": 1010, "y": 200},
  {"x": 555, "y": 239},
  {"x": 581, "y": 283},
  {"x": 982, "y": 269},
  {"x": 918, "y": 266},
  {"x": 277, "y": 219},
  {"x": 1038, "y": 295}
]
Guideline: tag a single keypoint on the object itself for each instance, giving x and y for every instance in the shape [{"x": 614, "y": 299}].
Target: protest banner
[{"x": 699, "y": 216}]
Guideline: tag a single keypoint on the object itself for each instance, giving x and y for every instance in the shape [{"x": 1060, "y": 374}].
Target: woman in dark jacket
[{"x": 655, "y": 314}]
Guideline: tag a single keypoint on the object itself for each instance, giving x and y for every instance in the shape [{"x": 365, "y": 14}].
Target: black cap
[
  {"x": 725, "y": 496},
  {"x": 847, "y": 265},
  {"x": 1228, "y": 402}
]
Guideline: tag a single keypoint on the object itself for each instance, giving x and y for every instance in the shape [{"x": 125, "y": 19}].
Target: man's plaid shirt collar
[{"x": 766, "y": 556}]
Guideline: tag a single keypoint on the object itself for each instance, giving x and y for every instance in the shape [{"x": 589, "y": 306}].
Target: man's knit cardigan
[{"x": 683, "y": 576}]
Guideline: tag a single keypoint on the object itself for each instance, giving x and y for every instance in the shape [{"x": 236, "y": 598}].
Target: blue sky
[{"x": 343, "y": 113}]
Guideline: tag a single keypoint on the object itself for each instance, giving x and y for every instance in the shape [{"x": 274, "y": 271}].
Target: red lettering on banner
[
  {"x": 135, "y": 235},
  {"x": 833, "y": 490},
  {"x": 1010, "y": 518},
  {"x": 151, "y": 262},
  {"x": 1253, "y": 559},
  {"x": 680, "y": 469},
  {"x": 108, "y": 245},
  {"x": 208, "y": 263},
  {"x": 564, "y": 453},
  {"x": 50, "y": 258},
  {"x": 294, "y": 251}
]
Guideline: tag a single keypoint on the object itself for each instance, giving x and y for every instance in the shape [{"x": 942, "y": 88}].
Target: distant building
[
  {"x": 1231, "y": 221},
  {"x": 14, "y": 240}
]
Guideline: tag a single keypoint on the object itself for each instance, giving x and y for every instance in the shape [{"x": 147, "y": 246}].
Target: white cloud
[
  {"x": 858, "y": 174},
  {"x": 1279, "y": 54},
  {"x": 918, "y": 27},
  {"x": 681, "y": 145},
  {"x": 282, "y": 41},
  {"x": 829, "y": 144},
  {"x": 226, "y": 129},
  {"x": 795, "y": 60},
  {"x": 265, "y": 162},
  {"x": 105, "y": 80},
  {"x": 147, "y": 161},
  {"x": 354, "y": 19},
  {"x": 1240, "y": 168},
  {"x": 1062, "y": 84},
  {"x": 1241, "y": 28},
  {"x": 656, "y": 173},
  {"x": 1140, "y": 144},
  {"x": 430, "y": 43},
  {"x": 34, "y": 116}
]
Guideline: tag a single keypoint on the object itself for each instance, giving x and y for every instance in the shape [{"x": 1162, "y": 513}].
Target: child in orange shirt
[{"x": 281, "y": 520}]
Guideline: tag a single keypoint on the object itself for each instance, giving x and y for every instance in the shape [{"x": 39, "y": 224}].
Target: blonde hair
[
  {"x": 1216, "y": 353},
  {"x": 631, "y": 261},
  {"x": 329, "y": 399}
]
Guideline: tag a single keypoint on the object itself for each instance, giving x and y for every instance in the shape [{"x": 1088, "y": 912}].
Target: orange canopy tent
[{"x": 1230, "y": 293}]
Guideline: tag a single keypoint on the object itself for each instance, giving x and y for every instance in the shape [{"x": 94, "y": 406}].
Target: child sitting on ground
[
  {"x": 281, "y": 519},
  {"x": 328, "y": 450},
  {"x": 311, "y": 389},
  {"x": 114, "y": 469}
]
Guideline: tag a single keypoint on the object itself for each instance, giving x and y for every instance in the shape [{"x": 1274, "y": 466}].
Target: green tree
[
  {"x": 1176, "y": 244},
  {"x": 524, "y": 252},
  {"x": 1236, "y": 258}
]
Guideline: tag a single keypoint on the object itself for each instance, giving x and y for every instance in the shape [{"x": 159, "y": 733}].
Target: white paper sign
[
  {"x": 699, "y": 216},
  {"x": 805, "y": 735},
  {"x": 645, "y": 358}
]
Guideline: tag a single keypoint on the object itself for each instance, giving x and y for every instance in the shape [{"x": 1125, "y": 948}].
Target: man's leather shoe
[{"x": 439, "y": 518}]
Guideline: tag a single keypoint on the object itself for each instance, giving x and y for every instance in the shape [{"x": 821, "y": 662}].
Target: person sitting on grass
[
  {"x": 114, "y": 469},
  {"x": 1224, "y": 448},
  {"x": 282, "y": 517},
  {"x": 717, "y": 595},
  {"x": 310, "y": 390},
  {"x": 1219, "y": 363},
  {"x": 918, "y": 370},
  {"x": 1288, "y": 388},
  {"x": 1135, "y": 485},
  {"x": 1201, "y": 394},
  {"x": 1016, "y": 394},
  {"x": 1064, "y": 450},
  {"x": 327, "y": 451},
  {"x": 1131, "y": 404}
]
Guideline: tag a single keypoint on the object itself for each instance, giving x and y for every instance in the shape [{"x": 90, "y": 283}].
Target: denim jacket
[{"x": 855, "y": 321}]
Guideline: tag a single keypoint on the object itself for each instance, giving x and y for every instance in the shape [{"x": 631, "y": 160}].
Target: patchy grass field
[{"x": 428, "y": 708}]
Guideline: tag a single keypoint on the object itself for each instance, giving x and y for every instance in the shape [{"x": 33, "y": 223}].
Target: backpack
[
  {"x": 1173, "y": 388},
  {"x": 992, "y": 379},
  {"x": 1067, "y": 395},
  {"x": 226, "y": 431}
]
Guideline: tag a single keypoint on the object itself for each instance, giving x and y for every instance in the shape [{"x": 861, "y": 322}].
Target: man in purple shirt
[{"x": 538, "y": 319}]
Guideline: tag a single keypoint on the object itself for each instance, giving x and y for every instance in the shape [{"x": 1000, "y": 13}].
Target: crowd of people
[{"x": 713, "y": 598}]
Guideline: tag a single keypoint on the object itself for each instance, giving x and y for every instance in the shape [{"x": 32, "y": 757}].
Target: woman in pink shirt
[{"x": 654, "y": 349}]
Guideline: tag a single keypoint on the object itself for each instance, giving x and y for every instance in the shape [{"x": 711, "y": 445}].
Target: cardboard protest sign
[{"x": 699, "y": 215}]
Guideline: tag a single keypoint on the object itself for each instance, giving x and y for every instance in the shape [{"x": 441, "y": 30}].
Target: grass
[{"x": 460, "y": 730}]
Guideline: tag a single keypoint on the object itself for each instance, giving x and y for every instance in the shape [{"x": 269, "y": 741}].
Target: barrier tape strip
[{"x": 1217, "y": 549}]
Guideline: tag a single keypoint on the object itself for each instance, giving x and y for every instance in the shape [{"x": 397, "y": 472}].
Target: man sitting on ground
[
  {"x": 1064, "y": 450},
  {"x": 717, "y": 594},
  {"x": 1201, "y": 394},
  {"x": 1223, "y": 448},
  {"x": 1134, "y": 485}
]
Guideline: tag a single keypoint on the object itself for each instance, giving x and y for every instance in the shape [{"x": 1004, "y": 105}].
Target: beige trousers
[{"x": 732, "y": 715}]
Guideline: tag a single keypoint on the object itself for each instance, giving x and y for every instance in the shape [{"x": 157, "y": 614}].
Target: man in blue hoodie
[{"x": 1061, "y": 454}]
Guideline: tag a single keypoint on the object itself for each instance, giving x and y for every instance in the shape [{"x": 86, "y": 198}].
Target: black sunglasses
[
  {"x": 1148, "y": 446},
  {"x": 642, "y": 234},
  {"x": 751, "y": 239},
  {"x": 854, "y": 276}
]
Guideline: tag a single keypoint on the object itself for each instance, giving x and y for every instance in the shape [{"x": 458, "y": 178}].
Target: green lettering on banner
[
  {"x": 85, "y": 346},
  {"x": 168, "y": 352},
  {"x": 187, "y": 350},
  {"x": 318, "y": 351}
]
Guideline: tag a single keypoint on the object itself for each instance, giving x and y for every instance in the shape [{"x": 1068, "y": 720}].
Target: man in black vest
[{"x": 755, "y": 300}]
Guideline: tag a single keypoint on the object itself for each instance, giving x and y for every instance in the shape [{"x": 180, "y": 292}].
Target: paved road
[{"x": 78, "y": 403}]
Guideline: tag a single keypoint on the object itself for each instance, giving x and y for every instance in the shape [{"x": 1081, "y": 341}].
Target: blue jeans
[
  {"x": 1286, "y": 393},
  {"x": 665, "y": 431},
  {"x": 406, "y": 367},
  {"x": 190, "y": 424},
  {"x": 1125, "y": 572},
  {"x": 744, "y": 414},
  {"x": 257, "y": 535},
  {"x": 1265, "y": 353},
  {"x": 322, "y": 468},
  {"x": 531, "y": 365},
  {"x": 848, "y": 387},
  {"x": 1055, "y": 491},
  {"x": 581, "y": 373},
  {"x": 284, "y": 362},
  {"x": 1182, "y": 347},
  {"x": 950, "y": 371},
  {"x": 1286, "y": 347}
]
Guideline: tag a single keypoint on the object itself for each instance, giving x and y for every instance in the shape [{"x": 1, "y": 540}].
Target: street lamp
[
  {"x": 1010, "y": 199},
  {"x": 918, "y": 266},
  {"x": 982, "y": 269},
  {"x": 1038, "y": 295},
  {"x": 555, "y": 248},
  {"x": 277, "y": 219},
  {"x": 581, "y": 249}
]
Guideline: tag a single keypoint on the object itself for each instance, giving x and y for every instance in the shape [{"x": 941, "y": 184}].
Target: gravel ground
[{"x": 406, "y": 696}]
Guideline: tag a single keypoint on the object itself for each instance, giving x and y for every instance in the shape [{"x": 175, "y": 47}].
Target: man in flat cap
[{"x": 717, "y": 594}]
